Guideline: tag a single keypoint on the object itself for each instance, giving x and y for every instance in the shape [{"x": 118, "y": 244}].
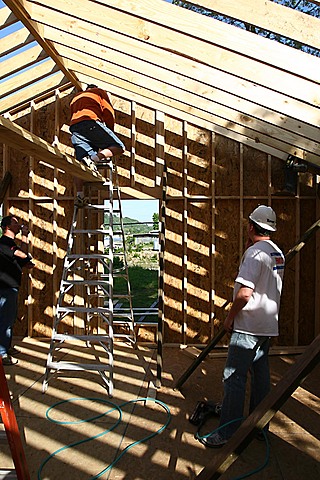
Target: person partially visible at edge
[
  {"x": 12, "y": 260},
  {"x": 92, "y": 129},
  {"x": 252, "y": 321}
]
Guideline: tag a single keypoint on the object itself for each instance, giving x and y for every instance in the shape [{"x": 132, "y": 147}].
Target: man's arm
[{"x": 241, "y": 299}]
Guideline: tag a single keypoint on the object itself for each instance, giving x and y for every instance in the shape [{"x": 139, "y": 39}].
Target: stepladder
[
  {"x": 11, "y": 434},
  {"x": 85, "y": 316}
]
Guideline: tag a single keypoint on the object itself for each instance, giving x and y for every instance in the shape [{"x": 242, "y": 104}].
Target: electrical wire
[{"x": 113, "y": 408}]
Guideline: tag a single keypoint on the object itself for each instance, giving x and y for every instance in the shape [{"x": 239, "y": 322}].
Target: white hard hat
[{"x": 265, "y": 217}]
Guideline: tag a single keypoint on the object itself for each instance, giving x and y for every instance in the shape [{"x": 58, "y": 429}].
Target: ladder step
[
  {"x": 94, "y": 230},
  {"x": 94, "y": 283},
  {"x": 8, "y": 474},
  {"x": 75, "y": 256},
  {"x": 78, "y": 366},
  {"x": 74, "y": 309},
  {"x": 85, "y": 338}
]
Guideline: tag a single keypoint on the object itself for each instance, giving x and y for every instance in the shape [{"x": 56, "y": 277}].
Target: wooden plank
[
  {"x": 201, "y": 118},
  {"x": 184, "y": 32},
  {"x": 15, "y": 40},
  {"x": 264, "y": 412},
  {"x": 36, "y": 90},
  {"x": 22, "y": 60},
  {"x": 28, "y": 143},
  {"x": 4, "y": 185},
  {"x": 122, "y": 53},
  {"x": 270, "y": 16},
  {"x": 20, "y": 9},
  {"x": 262, "y": 104},
  {"x": 7, "y": 18},
  {"x": 24, "y": 79},
  {"x": 259, "y": 132}
]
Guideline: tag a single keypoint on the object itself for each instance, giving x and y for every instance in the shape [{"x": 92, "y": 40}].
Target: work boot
[{"x": 8, "y": 361}]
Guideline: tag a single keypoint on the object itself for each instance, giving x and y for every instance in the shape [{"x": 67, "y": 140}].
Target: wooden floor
[{"x": 175, "y": 453}]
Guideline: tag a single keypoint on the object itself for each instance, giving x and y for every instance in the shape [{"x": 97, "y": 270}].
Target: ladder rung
[
  {"x": 85, "y": 338},
  {"x": 94, "y": 230},
  {"x": 78, "y": 366},
  {"x": 73, "y": 309},
  {"x": 94, "y": 283},
  {"x": 6, "y": 474},
  {"x": 86, "y": 256}
]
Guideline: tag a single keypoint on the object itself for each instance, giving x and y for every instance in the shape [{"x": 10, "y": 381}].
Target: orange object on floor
[{"x": 12, "y": 429}]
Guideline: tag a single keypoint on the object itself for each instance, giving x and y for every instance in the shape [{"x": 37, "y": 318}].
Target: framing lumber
[
  {"x": 22, "y": 60},
  {"x": 264, "y": 105},
  {"x": 15, "y": 40},
  {"x": 264, "y": 412},
  {"x": 28, "y": 143},
  {"x": 270, "y": 16},
  {"x": 18, "y": 8},
  {"x": 4, "y": 185},
  {"x": 217, "y": 44},
  {"x": 285, "y": 141},
  {"x": 37, "y": 90}
]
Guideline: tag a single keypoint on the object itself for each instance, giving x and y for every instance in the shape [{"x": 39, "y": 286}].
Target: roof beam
[
  {"x": 141, "y": 94},
  {"x": 270, "y": 16},
  {"x": 216, "y": 44},
  {"x": 200, "y": 80},
  {"x": 7, "y": 18},
  {"x": 218, "y": 81},
  {"x": 34, "y": 91},
  {"x": 20, "y": 139},
  {"x": 14, "y": 41},
  {"x": 23, "y": 79},
  {"x": 278, "y": 128},
  {"x": 18, "y": 7},
  {"x": 22, "y": 60}
]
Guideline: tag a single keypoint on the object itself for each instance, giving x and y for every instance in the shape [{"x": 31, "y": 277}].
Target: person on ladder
[
  {"x": 92, "y": 129},
  {"x": 12, "y": 260}
]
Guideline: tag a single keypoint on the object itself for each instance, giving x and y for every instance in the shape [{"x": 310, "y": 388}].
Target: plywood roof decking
[{"x": 179, "y": 62}]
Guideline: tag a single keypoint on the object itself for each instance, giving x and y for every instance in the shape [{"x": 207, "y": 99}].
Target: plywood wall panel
[
  {"x": 214, "y": 183},
  {"x": 255, "y": 172},
  {"x": 286, "y": 238},
  {"x": 307, "y": 292},
  {"x": 173, "y": 272},
  {"x": 227, "y": 155},
  {"x": 227, "y": 258},
  {"x": 198, "y": 272}
]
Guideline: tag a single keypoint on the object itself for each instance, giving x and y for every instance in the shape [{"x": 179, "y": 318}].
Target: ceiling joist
[{"x": 179, "y": 61}]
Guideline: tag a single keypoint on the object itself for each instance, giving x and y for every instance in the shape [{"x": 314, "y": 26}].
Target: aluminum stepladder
[{"x": 87, "y": 294}]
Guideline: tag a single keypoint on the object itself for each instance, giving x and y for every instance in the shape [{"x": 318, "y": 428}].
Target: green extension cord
[
  {"x": 267, "y": 455},
  {"x": 112, "y": 409}
]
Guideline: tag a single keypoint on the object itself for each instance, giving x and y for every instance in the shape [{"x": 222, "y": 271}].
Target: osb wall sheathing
[{"x": 213, "y": 183}]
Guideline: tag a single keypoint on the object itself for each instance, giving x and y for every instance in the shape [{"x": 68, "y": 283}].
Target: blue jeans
[
  {"x": 8, "y": 315},
  {"x": 89, "y": 136},
  {"x": 246, "y": 353}
]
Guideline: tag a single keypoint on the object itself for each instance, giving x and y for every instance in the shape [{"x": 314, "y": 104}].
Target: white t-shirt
[{"x": 262, "y": 268}]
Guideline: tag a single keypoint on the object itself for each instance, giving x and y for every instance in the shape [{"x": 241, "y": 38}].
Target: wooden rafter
[
  {"x": 18, "y": 8},
  {"x": 22, "y": 60},
  {"x": 179, "y": 60},
  {"x": 269, "y": 16}
]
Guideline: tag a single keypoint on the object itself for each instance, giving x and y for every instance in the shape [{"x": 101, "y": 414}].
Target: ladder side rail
[
  {"x": 12, "y": 430},
  {"x": 124, "y": 248}
]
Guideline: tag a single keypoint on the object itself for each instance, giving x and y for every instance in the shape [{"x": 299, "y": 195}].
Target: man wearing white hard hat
[{"x": 252, "y": 321}]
